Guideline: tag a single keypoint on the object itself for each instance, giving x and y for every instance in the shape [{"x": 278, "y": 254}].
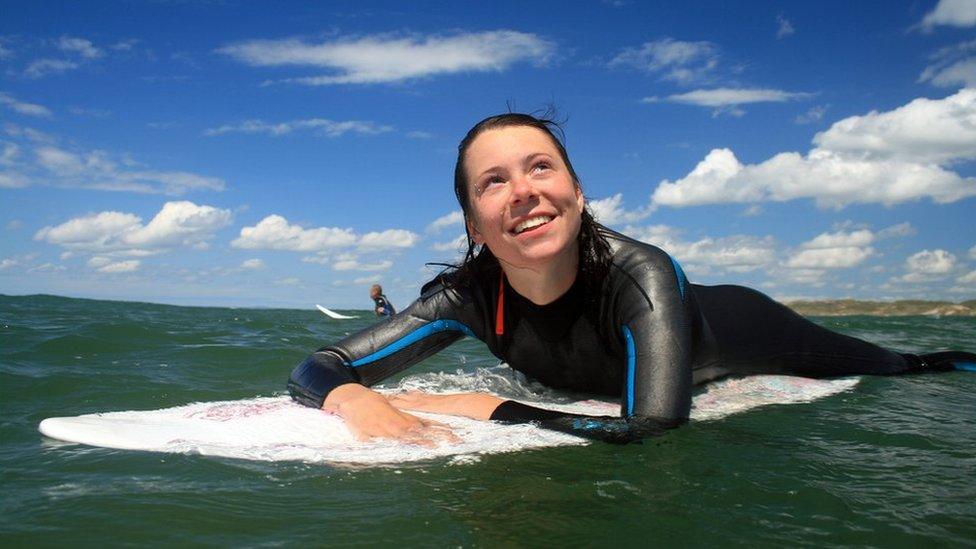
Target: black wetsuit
[
  {"x": 383, "y": 307},
  {"x": 652, "y": 337}
]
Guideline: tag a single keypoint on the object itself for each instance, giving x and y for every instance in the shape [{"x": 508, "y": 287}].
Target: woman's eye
[{"x": 541, "y": 167}]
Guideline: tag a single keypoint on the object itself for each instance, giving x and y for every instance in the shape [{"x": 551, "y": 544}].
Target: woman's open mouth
[{"x": 532, "y": 223}]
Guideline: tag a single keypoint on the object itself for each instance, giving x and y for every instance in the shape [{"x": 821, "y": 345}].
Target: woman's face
[{"x": 524, "y": 203}]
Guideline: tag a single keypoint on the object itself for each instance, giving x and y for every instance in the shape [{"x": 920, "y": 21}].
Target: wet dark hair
[{"x": 594, "y": 252}]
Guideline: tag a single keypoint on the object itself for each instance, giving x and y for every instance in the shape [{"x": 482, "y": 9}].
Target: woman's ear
[
  {"x": 580, "y": 199},
  {"x": 473, "y": 231}
]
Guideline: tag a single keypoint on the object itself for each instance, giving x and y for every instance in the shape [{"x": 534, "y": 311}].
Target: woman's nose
[{"x": 522, "y": 189}]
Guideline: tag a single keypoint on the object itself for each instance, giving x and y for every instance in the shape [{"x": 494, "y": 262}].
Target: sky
[{"x": 282, "y": 154}]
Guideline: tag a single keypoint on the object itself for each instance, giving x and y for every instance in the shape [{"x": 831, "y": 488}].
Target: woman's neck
[{"x": 543, "y": 285}]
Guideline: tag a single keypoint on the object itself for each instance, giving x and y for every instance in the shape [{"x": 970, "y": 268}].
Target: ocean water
[{"x": 890, "y": 463}]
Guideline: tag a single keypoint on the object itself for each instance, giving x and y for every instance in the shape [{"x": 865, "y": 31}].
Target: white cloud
[
  {"x": 731, "y": 97},
  {"x": 388, "y": 239},
  {"x": 888, "y": 158},
  {"x": 382, "y": 58},
  {"x": 972, "y": 252},
  {"x": 177, "y": 224},
  {"x": 952, "y": 66},
  {"x": 7, "y": 263},
  {"x": 10, "y": 153},
  {"x": 275, "y": 233},
  {"x": 931, "y": 262},
  {"x": 349, "y": 262},
  {"x": 610, "y": 211},
  {"x": 105, "y": 265},
  {"x": 968, "y": 278},
  {"x": 899, "y": 230},
  {"x": 44, "y": 67},
  {"x": 46, "y": 163},
  {"x": 675, "y": 60},
  {"x": 30, "y": 109},
  {"x": 785, "y": 28},
  {"x": 453, "y": 219},
  {"x": 840, "y": 257},
  {"x": 955, "y": 13},
  {"x": 813, "y": 115},
  {"x": 320, "y": 126},
  {"x": 252, "y": 264},
  {"x": 458, "y": 244},
  {"x": 371, "y": 279},
  {"x": 926, "y": 131},
  {"x": 737, "y": 253},
  {"x": 928, "y": 266},
  {"x": 80, "y": 46}
]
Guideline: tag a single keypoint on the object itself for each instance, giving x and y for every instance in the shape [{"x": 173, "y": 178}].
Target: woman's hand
[
  {"x": 472, "y": 405},
  {"x": 368, "y": 414}
]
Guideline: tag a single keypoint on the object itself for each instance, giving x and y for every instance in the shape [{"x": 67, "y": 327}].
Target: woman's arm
[
  {"x": 473, "y": 405},
  {"x": 348, "y": 367}
]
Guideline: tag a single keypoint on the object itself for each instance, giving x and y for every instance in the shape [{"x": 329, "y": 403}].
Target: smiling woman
[{"x": 575, "y": 306}]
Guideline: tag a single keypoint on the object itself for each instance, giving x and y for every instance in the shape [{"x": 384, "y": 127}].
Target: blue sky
[{"x": 284, "y": 154}]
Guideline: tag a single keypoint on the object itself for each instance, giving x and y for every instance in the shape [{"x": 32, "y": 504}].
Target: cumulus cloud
[
  {"x": 446, "y": 221},
  {"x": 610, "y": 211},
  {"x": 954, "y": 13},
  {"x": 30, "y": 109},
  {"x": 737, "y": 253},
  {"x": 274, "y": 232},
  {"x": 319, "y": 126},
  {"x": 972, "y": 252},
  {"x": 176, "y": 225},
  {"x": 887, "y": 157},
  {"x": 839, "y": 250},
  {"x": 928, "y": 266},
  {"x": 350, "y": 262},
  {"x": 106, "y": 265},
  {"x": 252, "y": 264},
  {"x": 384, "y": 58},
  {"x": 82, "y": 47},
  {"x": 39, "y": 160},
  {"x": 388, "y": 239},
  {"x": 968, "y": 278},
  {"x": 674, "y": 60}
]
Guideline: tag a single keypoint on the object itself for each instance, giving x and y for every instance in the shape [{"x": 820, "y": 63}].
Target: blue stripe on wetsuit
[
  {"x": 631, "y": 368},
  {"x": 413, "y": 337},
  {"x": 682, "y": 279}
]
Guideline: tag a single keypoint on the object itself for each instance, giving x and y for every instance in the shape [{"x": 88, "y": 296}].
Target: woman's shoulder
[{"x": 628, "y": 252}]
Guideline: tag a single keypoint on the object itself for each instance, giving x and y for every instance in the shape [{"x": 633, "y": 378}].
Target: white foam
[{"x": 276, "y": 429}]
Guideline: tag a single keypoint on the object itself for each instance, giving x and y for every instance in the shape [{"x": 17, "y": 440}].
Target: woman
[{"x": 575, "y": 306}]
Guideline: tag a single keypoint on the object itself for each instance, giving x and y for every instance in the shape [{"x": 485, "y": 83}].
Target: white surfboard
[
  {"x": 277, "y": 429},
  {"x": 332, "y": 314}
]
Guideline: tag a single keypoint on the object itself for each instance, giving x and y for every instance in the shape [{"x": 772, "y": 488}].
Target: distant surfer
[
  {"x": 577, "y": 307},
  {"x": 382, "y": 305}
]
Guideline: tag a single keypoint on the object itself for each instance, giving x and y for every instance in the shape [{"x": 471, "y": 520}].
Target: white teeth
[{"x": 532, "y": 222}]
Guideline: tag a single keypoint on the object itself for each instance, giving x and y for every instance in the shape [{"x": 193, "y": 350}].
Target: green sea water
[{"x": 891, "y": 463}]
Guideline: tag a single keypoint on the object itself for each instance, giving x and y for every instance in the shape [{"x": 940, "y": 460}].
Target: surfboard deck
[
  {"x": 332, "y": 314},
  {"x": 277, "y": 429}
]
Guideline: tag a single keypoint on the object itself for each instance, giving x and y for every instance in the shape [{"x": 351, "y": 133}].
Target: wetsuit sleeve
[
  {"x": 611, "y": 429},
  {"x": 430, "y": 324},
  {"x": 655, "y": 312}
]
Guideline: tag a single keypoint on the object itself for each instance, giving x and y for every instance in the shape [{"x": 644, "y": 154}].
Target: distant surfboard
[
  {"x": 332, "y": 314},
  {"x": 277, "y": 429}
]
